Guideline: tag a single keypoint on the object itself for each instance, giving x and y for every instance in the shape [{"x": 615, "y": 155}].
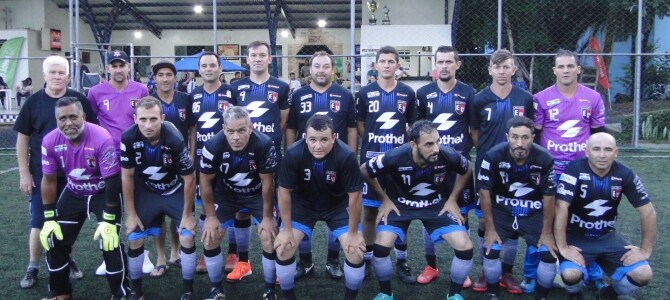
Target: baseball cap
[
  {"x": 164, "y": 64},
  {"x": 117, "y": 55}
]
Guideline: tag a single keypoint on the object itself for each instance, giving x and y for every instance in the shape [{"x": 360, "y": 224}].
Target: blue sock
[
  {"x": 269, "y": 267},
  {"x": 428, "y": 243},
  {"x": 286, "y": 273},
  {"x": 382, "y": 267},
  {"x": 460, "y": 268},
  {"x": 187, "y": 257},
  {"x": 243, "y": 238},
  {"x": 135, "y": 262},
  {"x": 509, "y": 251},
  {"x": 625, "y": 286},
  {"x": 214, "y": 262},
  {"x": 492, "y": 270}
]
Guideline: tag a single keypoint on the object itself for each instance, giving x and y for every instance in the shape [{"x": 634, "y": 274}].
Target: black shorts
[
  {"x": 226, "y": 208},
  {"x": 304, "y": 219},
  {"x": 73, "y": 211},
  {"x": 508, "y": 226},
  {"x": 434, "y": 224},
  {"x": 606, "y": 250},
  {"x": 151, "y": 208}
]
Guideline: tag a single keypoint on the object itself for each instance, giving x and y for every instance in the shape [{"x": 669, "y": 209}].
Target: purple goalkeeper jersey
[
  {"x": 115, "y": 108},
  {"x": 87, "y": 164},
  {"x": 566, "y": 123}
]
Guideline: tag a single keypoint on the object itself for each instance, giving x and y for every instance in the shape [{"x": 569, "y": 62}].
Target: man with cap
[
  {"x": 177, "y": 110},
  {"x": 114, "y": 101}
]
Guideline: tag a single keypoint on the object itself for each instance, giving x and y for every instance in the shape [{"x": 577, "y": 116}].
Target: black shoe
[
  {"x": 186, "y": 296},
  {"x": 75, "y": 273},
  {"x": 216, "y": 294},
  {"x": 492, "y": 297},
  {"x": 334, "y": 269},
  {"x": 301, "y": 270},
  {"x": 269, "y": 294},
  {"x": 404, "y": 272},
  {"x": 136, "y": 296},
  {"x": 29, "y": 279}
]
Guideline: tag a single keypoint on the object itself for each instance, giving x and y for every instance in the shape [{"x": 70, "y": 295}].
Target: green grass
[{"x": 14, "y": 253}]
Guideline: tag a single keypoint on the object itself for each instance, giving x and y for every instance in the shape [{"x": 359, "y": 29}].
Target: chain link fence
[{"x": 533, "y": 30}]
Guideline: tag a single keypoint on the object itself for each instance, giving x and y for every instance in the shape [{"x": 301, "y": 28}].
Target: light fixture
[
  {"x": 284, "y": 33},
  {"x": 198, "y": 9},
  {"x": 138, "y": 34},
  {"x": 321, "y": 23}
]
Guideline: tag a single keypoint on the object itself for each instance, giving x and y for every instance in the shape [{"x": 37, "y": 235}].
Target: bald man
[{"x": 589, "y": 193}]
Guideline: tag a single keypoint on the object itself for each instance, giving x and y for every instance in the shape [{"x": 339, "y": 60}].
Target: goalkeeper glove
[
  {"x": 50, "y": 227},
  {"x": 107, "y": 231}
]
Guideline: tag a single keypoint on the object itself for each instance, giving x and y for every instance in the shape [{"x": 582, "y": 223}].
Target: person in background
[
  {"x": 293, "y": 83},
  {"x": 23, "y": 90},
  {"x": 3, "y": 86},
  {"x": 238, "y": 75},
  {"x": 222, "y": 78},
  {"x": 138, "y": 77}
]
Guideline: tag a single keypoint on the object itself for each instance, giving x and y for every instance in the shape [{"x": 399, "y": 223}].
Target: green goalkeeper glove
[
  {"x": 107, "y": 231},
  {"x": 50, "y": 228}
]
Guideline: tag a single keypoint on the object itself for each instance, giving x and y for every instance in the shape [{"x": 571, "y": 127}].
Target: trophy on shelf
[
  {"x": 387, "y": 19},
  {"x": 372, "y": 7}
]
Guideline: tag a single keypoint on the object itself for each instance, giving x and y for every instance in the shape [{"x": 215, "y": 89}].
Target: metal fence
[{"x": 533, "y": 30}]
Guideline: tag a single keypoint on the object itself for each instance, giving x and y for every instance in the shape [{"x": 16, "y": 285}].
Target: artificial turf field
[{"x": 650, "y": 166}]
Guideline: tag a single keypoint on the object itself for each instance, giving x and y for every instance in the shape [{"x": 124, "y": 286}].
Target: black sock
[
  {"x": 350, "y": 294},
  {"x": 243, "y": 256},
  {"x": 431, "y": 260},
  {"x": 306, "y": 258},
  {"x": 507, "y": 268},
  {"x": 333, "y": 255},
  {"x": 232, "y": 248},
  {"x": 187, "y": 285},
  {"x": 385, "y": 287}
]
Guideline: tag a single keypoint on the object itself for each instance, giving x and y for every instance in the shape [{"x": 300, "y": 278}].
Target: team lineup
[{"x": 256, "y": 152}]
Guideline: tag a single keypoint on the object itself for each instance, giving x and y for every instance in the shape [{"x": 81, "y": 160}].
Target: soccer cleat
[
  {"x": 201, "y": 267},
  {"x": 428, "y": 274},
  {"x": 231, "y": 262},
  {"x": 467, "y": 283},
  {"x": 29, "y": 279},
  {"x": 334, "y": 269},
  {"x": 101, "y": 270},
  {"x": 136, "y": 296},
  {"x": 186, "y": 296},
  {"x": 269, "y": 294},
  {"x": 404, "y": 272},
  {"x": 302, "y": 271},
  {"x": 455, "y": 297},
  {"x": 492, "y": 297},
  {"x": 75, "y": 273},
  {"x": 508, "y": 282},
  {"x": 242, "y": 269},
  {"x": 528, "y": 286},
  {"x": 480, "y": 285},
  {"x": 216, "y": 294},
  {"x": 382, "y": 296},
  {"x": 147, "y": 266},
  {"x": 61, "y": 297}
]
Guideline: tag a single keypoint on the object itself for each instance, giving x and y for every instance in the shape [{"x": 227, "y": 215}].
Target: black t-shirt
[
  {"x": 264, "y": 102},
  {"x": 386, "y": 117},
  {"x": 238, "y": 173},
  {"x": 414, "y": 187},
  {"x": 207, "y": 109},
  {"x": 336, "y": 102},
  {"x": 38, "y": 117},
  {"x": 320, "y": 184},
  {"x": 490, "y": 115},
  {"x": 157, "y": 167},
  {"x": 450, "y": 111},
  {"x": 594, "y": 199},
  {"x": 179, "y": 112},
  {"x": 517, "y": 190}
]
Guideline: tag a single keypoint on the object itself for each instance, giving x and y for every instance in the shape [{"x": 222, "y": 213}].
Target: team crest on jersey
[
  {"x": 535, "y": 177},
  {"x": 252, "y": 165},
  {"x": 331, "y": 176},
  {"x": 439, "y": 178},
  {"x": 335, "y": 105},
  {"x": 616, "y": 191},
  {"x": 223, "y": 105},
  {"x": 273, "y": 96},
  {"x": 182, "y": 114},
  {"x": 586, "y": 112},
  {"x": 133, "y": 102},
  {"x": 402, "y": 106},
  {"x": 167, "y": 159},
  {"x": 519, "y": 110},
  {"x": 459, "y": 107},
  {"x": 90, "y": 161}
]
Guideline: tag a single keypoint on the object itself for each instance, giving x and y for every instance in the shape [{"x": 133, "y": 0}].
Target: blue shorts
[
  {"x": 606, "y": 250},
  {"x": 435, "y": 225},
  {"x": 152, "y": 208},
  {"x": 35, "y": 205}
]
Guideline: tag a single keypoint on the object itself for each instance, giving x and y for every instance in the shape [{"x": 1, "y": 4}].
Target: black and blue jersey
[
  {"x": 207, "y": 109},
  {"x": 320, "y": 184},
  {"x": 594, "y": 199},
  {"x": 336, "y": 102},
  {"x": 386, "y": 116},
  {"x": 157, "y": 167},
  {"x": 238, "y": 173},
  {"x": 450, "y": 112},
  {"x": 264, "y": 102},
  {"x": 179, "y": 112}
]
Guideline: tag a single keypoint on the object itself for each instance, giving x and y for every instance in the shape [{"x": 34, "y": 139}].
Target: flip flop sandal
[{"x": 159, "y": 271}]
